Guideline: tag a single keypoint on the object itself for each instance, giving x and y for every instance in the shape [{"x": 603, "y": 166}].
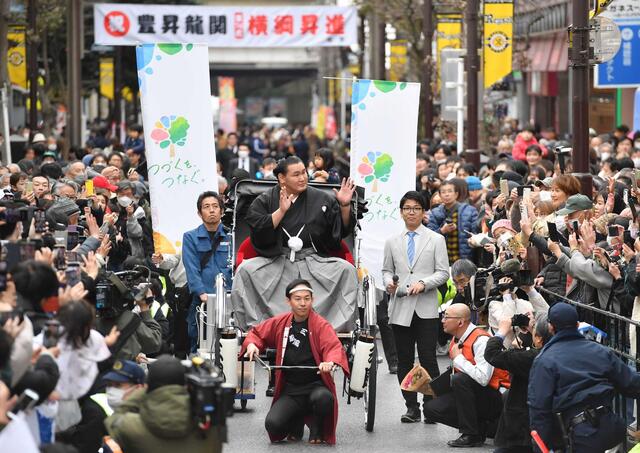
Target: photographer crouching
[
  {"x": 173, "y": 412},
  {"x": 512, "y": 435}
]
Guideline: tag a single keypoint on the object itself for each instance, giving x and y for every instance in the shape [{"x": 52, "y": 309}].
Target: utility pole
[
  {"x": 580, "y": 93},
  {"x": 427, "y": 31},
  {"x": 5, "y": 86},
  {"x": 473, "y": 65},
  {"x": 32, "y": 64},
  {"x": 74, "y": 73},
  {"x": 117, "y": 92}
]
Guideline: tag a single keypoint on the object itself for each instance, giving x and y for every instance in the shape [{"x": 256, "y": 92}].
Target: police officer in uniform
[{"x": 575, "y": 380}]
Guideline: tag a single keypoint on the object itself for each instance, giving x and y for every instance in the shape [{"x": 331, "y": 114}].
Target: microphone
[{"x": 400, "y": 292}]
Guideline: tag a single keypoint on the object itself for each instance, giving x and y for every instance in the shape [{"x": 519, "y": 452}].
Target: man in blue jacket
[
  {"x": 454, "y": 220},
  {"x": 205, "y": 254},
  {"x": 577, "y": 378}
]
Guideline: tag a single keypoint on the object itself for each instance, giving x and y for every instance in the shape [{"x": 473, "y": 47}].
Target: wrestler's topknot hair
[{"x": 283, "y": 165}]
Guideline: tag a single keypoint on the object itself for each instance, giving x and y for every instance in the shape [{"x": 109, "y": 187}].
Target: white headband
[{"x": 300, "y": 287}]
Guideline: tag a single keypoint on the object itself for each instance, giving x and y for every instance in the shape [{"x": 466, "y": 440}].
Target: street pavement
[{"x": 247, "y": 433}]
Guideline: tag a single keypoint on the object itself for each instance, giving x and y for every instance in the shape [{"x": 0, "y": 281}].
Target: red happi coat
[{"x": 325, "y": 347}]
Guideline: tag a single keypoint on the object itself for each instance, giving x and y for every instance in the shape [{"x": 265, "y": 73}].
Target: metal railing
[{"x": 618, "y": 330}]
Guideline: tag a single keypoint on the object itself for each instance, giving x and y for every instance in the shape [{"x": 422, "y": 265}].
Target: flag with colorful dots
[
  {"x": 179, "y": 136},
  {"x": 384, "y": 128}
]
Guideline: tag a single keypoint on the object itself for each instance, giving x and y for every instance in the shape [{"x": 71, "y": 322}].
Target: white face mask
[
  {"x": 124, "y": 201},
  {"x": 604, "y": 156},
  {"x": 545, "y": 195},
  {"x": 636, "y": 162},
  {"x": 115, "y": 396},
  {"x": 560, "y": 225},
  {"x": 503, "y": 240},
  {"x": 243, "y": 154},
  {"x": 52, "y": 147}
]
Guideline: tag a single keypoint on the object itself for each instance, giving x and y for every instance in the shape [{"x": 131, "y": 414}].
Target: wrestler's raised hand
[
  {"x": 285, "y": 199},
  {"x": 344, "y": 195}
]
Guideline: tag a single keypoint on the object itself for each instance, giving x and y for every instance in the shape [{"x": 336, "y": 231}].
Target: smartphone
[
  {"x": 612, "y": 231},
  {"x": 7, "y": 315},
  {"x": 632, "y": 207},
  {"x": 11, "y": 252},
  {"x": 72, "y": 240},
  {"x": 50, "y": 333},
  {"x": 72, "y": 274},
  {"x": 521, "y": 190},
  {"x": 504, "y": 187},
  {"x": 72, "y": 257},
  {"x": 576, "y": 228},
  {"x": 60, "y": 238},
  {"x": 40, "y": 221},
  {"x": 88, "y": 186},
  {"x": 27, "y": 250},
  {"x": 553, "y": 232},
  {"x": 26, "y": 401},
  {"x": 28, "y": 187},
  {"x": 627, "y": 239},
  {"x": 59, "y": 259},
  {"x": 3, "y": 276}
]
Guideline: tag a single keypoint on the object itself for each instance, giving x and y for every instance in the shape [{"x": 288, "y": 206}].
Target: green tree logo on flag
[
  {"x": 375, "y": 166},
  {"x": 170, "y": 131}
]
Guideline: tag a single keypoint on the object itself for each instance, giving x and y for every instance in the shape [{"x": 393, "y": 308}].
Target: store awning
[{"x": 548, "y": 54}]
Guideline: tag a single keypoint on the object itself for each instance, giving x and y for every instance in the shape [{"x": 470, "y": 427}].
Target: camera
[
  {"x": 118, "y": 291},
  {"x": 211, "y": 399},
  {"x": 486, "y": 288}
]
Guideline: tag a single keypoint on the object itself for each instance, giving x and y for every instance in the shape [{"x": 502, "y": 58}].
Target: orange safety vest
[{"x": 499, "y": 378}]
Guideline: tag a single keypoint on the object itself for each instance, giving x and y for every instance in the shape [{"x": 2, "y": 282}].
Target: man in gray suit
[{"x": 415, "y": 265}]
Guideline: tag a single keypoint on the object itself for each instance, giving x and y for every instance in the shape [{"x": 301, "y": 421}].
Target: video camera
[
  {"x": 211, "y": 399},
  {"x": 486, "y": 286},
  {"x": 118, "y": 291}
]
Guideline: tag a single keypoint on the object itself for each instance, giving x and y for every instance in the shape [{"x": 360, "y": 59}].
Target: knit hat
[
  {"x": 473, "y": 183},
  {"x": 60, "y": 211},
  {"x": 502, "y": 223},
  {"x": 166, "y": 370},
  {"x": 563, "y": 316}
]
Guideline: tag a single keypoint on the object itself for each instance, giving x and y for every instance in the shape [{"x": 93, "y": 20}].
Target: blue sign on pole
[{"x": 622, "y": 70}]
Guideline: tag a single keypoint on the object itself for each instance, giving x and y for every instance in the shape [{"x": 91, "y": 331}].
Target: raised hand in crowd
[
  {"x": 90, "y": 265},
  {"x": 71, "y": 293}
]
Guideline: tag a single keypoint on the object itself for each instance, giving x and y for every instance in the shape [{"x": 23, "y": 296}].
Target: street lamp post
[
  {"x": 580, "y": 93},
  {"x": 32, "y": 64},
  {"x": 74, "y": 74},
  {"x": 427, "y": 31},
  {"x": 473, "y": 64}
]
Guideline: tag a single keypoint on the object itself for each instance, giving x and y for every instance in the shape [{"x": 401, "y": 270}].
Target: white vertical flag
[
  {"x": 384, "y": 124},
  {"x": 179, "y": 137}
]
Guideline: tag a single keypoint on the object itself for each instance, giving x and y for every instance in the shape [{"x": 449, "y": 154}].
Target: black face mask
[{"x": 149, "y": 300}]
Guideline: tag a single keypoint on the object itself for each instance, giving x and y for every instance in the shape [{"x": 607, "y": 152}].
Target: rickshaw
[{"x": 218, "y": 329}]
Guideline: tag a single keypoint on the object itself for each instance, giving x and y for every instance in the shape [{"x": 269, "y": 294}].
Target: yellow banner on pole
[
  {"x": 398, "y": 60},
  {"x": 107, "y": 85},
  {"x": 448, "y": 36},
  {"x": 17, "y": 57},
  {"x": 498, "y": 40}
]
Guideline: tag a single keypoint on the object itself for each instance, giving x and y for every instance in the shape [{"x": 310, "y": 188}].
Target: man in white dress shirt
[
  {"x": 475, "y": 401},
  {"x": 415, "y": 265}
]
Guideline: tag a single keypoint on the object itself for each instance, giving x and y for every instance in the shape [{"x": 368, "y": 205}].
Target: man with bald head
[{"x": 475, "y": 401}]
